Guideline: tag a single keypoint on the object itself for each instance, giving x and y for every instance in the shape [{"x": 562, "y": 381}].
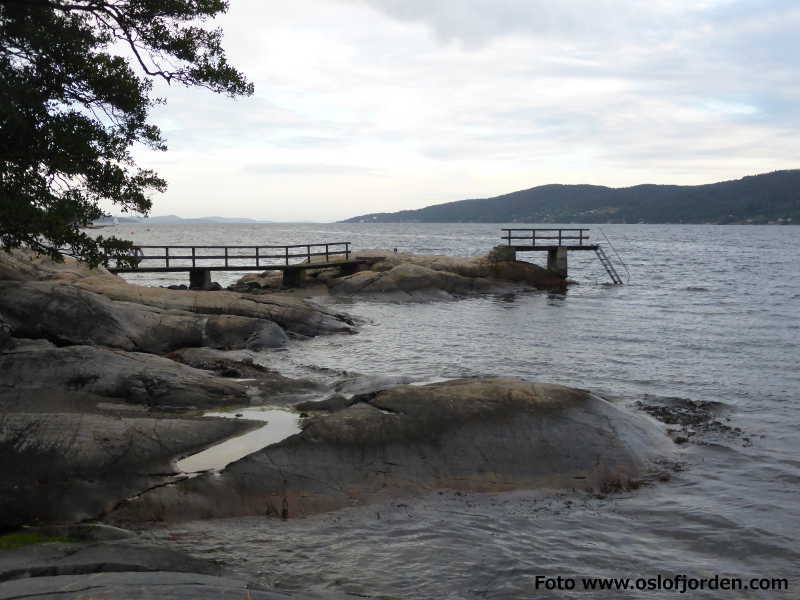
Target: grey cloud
[
  {"x": 307, "y": 169},
  {"x": 597, "y": 87},
  {"x": 305, "y": 141},
  {"x": 476, "y": 22}
]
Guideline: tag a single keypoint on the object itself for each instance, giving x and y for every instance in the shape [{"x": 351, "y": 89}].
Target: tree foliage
[{"x": 75, "y": 84}]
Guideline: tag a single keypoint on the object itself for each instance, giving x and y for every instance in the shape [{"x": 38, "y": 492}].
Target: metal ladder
[{"x": 609, "y": 267}]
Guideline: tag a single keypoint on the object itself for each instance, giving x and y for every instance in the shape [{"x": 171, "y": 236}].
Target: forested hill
[{"x": 766, "y": 198}]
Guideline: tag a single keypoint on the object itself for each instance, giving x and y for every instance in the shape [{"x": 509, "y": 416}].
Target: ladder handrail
[
  {"x": 607, "y": 265},
  {"x": 622, "y": 262}
]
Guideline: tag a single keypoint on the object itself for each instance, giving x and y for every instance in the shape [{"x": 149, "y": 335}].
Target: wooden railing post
[
  {"x": 554, "y": 237},
  {"x": 189, "y": 261}
]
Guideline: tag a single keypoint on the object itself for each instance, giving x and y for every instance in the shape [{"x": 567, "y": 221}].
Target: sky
[{"x": 365, "y": 106}]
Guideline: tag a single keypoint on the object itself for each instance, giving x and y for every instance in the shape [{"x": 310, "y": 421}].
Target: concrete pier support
[
  {"x": 350, "y": 269},
  {"x": 199, "y": 279},
  {"x": 557, "y": 260},
  {"x": 293, "y": 277}
]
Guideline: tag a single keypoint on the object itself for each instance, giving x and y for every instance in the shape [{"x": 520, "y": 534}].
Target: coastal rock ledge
[
  {"x": 403, "y": 276},
  {"x": 477, "y": 435}
]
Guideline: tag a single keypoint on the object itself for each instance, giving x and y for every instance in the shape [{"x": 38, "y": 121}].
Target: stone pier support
[
  {"x": 557, "y": 261},
  {"x": 199, "y": 279}
]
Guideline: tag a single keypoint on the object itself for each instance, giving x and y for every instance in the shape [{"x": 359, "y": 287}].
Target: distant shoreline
[{"x": 759, "y": 199}]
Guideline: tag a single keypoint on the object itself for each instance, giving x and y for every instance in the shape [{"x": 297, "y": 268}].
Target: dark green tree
[{"x": 75, "y": 84}]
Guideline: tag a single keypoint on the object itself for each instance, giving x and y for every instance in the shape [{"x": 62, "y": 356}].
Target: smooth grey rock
[
  {"x": 132, "y": 376},
  {"x": 83, "y": 532},
  {"x": 352, "y": 284},
  {"x": 29, "y": 345},
  {"x": 402, "y": 283},
  {"x": 241, "y": 364},
  {"x": 113, "y": 571},
  {"x": 404, "y": 277},
  {"x": 61, "y": 461},
  {"x": 153, "y": 585},
  {"x": 258, "y": 282},
  {"x": 266, "y": 337},
  {"x": 471, "y": 434},
  {"x": 6, "y": 340},
  {"x": 69, "y": 315},
  {"x": 55, "y": 559},
  {"x": 362, "y": 384},
  {"x": 331, "y": 404},
  {"x": 409, "y": 277},
  {"x": 294, "y": 314}
]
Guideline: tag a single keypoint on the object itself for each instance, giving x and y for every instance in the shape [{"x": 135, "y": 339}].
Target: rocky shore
[
  {"x": 103, "y": 384},
  {"x": 402, "y": 277},
  {"x": 473, "y": 435},
  {"x": 98, "y": 562},
  {"x": 101, "y": 381}
]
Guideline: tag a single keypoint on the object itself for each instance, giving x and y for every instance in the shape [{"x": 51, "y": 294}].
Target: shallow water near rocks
[
  {"x": 278, "y": 425},
  {"x": 710, "y": 314}
]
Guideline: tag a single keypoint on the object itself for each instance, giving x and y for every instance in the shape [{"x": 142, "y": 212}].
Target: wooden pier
[
  {"x": 200, "y": 261},
  {"x": 557, "y": 243},
  {"x": 295, "y": 259}
]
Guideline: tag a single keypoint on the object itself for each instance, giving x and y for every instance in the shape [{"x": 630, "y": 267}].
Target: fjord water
[{"x": 710, "y": 313}]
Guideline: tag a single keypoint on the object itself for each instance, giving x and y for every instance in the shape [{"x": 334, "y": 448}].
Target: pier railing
[
  {"x": 231, "y": 258},
  {"x": 546, "y": 237}
]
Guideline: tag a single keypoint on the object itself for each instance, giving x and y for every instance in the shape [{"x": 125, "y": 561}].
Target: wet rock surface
[
  {"x": 155, "y": 585},
  {"x": 359, "y": 383},
  {"x": 111, "y": 571},
  {"x": 85, "y": 394},
  {"x": 83, "y": 532},
  {"x": 6, "y": 340},
  {"x": 294, "y": 315},
  {"x": 242, "y": 365},
  {"x": 55, "y": 559},
  {"x": 69, "y": 315},
  {"x": 471, "y": 435},
  {"x": 330, "y": 404},
  {"x": 66, "y": 458},
  {"x": 688, "y": 418},
  {"x": 133, "y": 377}
]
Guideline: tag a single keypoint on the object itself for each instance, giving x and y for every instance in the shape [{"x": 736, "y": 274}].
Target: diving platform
[{"x": 557, "y": 243}]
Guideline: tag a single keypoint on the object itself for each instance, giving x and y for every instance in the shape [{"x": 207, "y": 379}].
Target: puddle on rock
[{"x": 278, "y": 425}]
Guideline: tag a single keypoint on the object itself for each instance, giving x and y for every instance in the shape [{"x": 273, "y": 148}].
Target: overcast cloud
[{"x": 380, "y": 105}]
